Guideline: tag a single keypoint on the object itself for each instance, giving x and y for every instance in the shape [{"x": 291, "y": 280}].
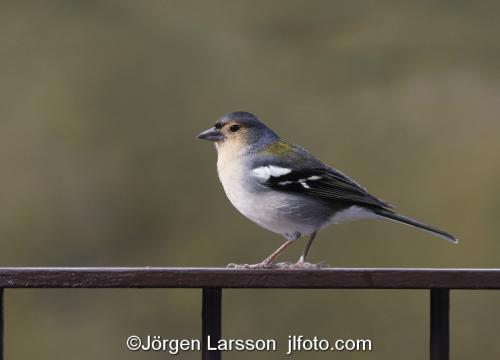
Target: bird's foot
[
  {"x": 301, "y": 264},
  {"x": 261, "y": 265},
  {"x": 284, "y": 265}
]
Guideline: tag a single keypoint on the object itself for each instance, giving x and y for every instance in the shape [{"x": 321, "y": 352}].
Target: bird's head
[{"x": 238, "y": 131}]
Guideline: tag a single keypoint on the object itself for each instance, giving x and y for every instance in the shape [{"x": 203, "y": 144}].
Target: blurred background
[{"x": 100, "y": 105}]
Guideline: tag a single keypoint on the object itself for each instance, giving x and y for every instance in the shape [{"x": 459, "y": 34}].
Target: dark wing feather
[
  {"x": 327, "y": 184},
  {"x": 311, "y": 177}
]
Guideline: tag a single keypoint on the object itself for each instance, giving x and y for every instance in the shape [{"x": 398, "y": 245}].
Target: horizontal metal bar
[{"x": 332, "y": 278}]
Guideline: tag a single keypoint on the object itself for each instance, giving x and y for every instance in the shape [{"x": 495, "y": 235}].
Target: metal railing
[{"x": 213, "y": 280}]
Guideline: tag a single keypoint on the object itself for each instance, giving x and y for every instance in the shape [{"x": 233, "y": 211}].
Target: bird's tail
[{"x": 408, "y": 221}]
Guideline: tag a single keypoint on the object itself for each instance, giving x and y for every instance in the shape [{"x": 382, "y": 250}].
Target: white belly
[{"x": 269, "y": 209}]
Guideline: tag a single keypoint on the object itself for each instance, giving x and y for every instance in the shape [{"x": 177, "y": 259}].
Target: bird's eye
[{"x": 234, "y": 128}]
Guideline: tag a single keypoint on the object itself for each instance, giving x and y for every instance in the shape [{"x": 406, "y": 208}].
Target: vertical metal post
[
  {"x": 211, "y": 322},
  {"x": 440, "y": 324},
  {"x": 1, "y": 324}
]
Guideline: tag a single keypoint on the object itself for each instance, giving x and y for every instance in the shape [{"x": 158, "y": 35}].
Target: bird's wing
[{"x": 308, "y": 176}]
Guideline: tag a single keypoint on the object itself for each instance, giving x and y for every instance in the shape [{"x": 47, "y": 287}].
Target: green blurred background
[{"x": 100, "y": 105}]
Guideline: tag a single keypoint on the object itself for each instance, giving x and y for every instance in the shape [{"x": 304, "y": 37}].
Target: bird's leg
[
  {"x": 267, "y": 262},
  {"x": 302, "y": 260}
]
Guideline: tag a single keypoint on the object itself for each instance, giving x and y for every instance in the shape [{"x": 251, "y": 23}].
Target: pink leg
[
  {"x": 302, "y": 259},
  {"x": 269, "y": 260}
]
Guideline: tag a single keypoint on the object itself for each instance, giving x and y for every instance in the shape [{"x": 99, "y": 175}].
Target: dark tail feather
[{"x": 406, "y": 220}]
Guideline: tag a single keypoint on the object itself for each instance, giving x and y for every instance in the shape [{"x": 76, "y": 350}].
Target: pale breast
[
  {"x": 232, "y": 177},
  {"x": 275, "y": 211}
]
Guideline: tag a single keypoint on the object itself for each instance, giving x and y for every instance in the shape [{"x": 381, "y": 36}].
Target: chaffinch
[{"x": 285, "y": 189}]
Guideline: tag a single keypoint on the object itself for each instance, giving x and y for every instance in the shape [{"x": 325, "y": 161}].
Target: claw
[
  {"x": 261, "y": 265},
  {"x": 301, "y": 264},
  {"x": 284, "y": 265}
]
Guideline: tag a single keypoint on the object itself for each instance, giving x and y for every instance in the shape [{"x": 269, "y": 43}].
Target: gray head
[{"x": 239, "y": 128}]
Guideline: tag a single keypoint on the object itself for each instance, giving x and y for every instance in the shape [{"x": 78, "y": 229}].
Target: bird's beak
[{"x": 212, "y": 134}]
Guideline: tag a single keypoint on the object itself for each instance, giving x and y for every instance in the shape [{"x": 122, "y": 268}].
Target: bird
[{"x": 286, "y": 190}]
